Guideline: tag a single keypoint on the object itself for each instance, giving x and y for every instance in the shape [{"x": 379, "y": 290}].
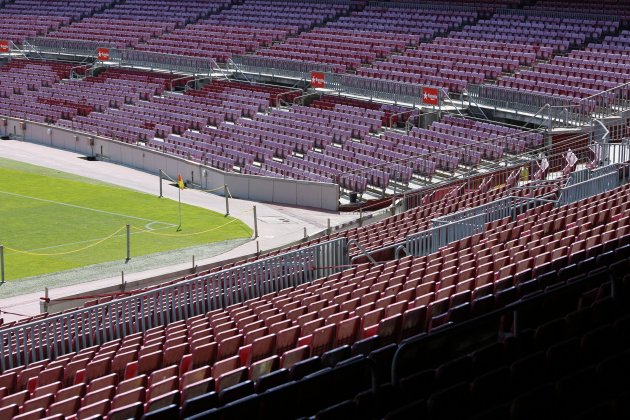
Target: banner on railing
[
  {"x": 280, "y": 67},
  {"x": 372, "y": 88},
  {"x": 430, "y": 96},
  {"x": 65, "y": 46},
  {"x": 318, "y": 80},
  {"x": 102, "y": 54},
  {"x": 4, "y": 46}
]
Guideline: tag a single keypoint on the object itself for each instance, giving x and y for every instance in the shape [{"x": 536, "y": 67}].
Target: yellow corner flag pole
[{"x": 180, "y": 184}]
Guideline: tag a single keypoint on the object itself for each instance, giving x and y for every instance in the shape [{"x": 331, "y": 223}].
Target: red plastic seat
[
  {"x": 100, "y": 408},
  {"x": 67, "y": 407},
  {"x": 129, "y": 397},
  {"x": 291, "y": 357}
]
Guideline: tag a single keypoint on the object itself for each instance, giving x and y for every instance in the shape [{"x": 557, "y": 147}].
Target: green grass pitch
[{"x": 43, "y": 211}]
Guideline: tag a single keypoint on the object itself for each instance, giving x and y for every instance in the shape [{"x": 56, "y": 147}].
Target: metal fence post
[
  {"x": 160, "y": 176},
  {"x": 227, "y": 204},
  {"x": 128, "y": 243},
  {"x": 255, "y": 224},
  {"x": 1, "y": 264}
]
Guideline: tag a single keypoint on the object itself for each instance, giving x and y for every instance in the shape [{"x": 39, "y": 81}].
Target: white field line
[
  {"x": 82, "y": 208},
  {"x": 146, "y": 226}
]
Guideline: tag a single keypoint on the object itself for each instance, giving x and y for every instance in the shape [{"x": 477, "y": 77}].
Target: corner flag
[{"x": 180, "y": 182}]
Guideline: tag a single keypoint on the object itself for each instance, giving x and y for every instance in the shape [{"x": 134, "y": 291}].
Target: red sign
[
  {"x": 4, "y": 46},
  {"x": 102, "y": 54},
  {"x": 318, "y": 80},
  {"x": 430, "y": 96}
]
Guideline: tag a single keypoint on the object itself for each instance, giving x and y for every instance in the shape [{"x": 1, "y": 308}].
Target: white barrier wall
[{"x": 250, "y": 187}]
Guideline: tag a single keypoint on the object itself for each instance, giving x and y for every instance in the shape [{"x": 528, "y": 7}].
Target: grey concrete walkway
[{"x": 277, "y": 226}]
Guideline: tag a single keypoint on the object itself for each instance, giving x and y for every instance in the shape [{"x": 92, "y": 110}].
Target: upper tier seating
[
  {"x": 244, "y": 28},
  {"x": 23, "y": 19},
  {"x": 580, "y": 74},
  {"x": 617, "y": 8},
  {"x": 159, "y": 116},
  {"x": 134, "y": 21},
  {"x": 486, "y": 50},
  {"x": 343, "y": 145},
  {"x": 392, "y": 114},
  {"x": 373, "y": 33},
  {"x": 335, "y": 140},
  {"x": 561, "y": 34},
  {"x": 21, "y": 83}
]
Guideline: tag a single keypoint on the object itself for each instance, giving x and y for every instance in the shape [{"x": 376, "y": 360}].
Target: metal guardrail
[
  {"x": 495, "y": 210},
  {"x": 605, "y": 170},
  {"x": 163, "y": 61},
  {"x": 431, "y": 240},
  {"x": 556, "y": 14},
  {"x": 557, "y": 111},
  {"x": 278, "y": 67},
  {"x": 468, "y": 222},
  {"x": 367, "y": 87},
  {"x": 591, "y": 187},
  {"x": 124, "y": 57},
  {"x": 64, "y": 46},
  {"x": 585, "y": 174},
  {"x": 54, "y": 336},
  {"x": 424, "y": 6},
  {"x": 608, "y": 103}
]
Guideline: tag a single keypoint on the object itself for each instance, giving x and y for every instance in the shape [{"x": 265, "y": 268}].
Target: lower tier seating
[{"x": 242, "y": 352}]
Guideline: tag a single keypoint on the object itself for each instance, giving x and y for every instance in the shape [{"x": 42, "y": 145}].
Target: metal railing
[
  {"x": 278, "y": 67},
  {"x": 555, "y": 111},
  {"x": 431, "y": 240},
  {"x": 124, "y": 57},
  {"x": 588, "y": 188},
  {"x": 64, "y": 46},
  {"x": 163, "y": 61},
  {"x": 556, "y": 14},
  {"x": 495, "y": 210},
  {"x": 54, "y": 336},
  {"x": 425, "y": 6},
  {"x": 585, "y": 174},
  {"x": 608, "y": 103},
  {"x": 465, "y": 223},
  {"x": 367, "y": 87},
  {"x": 379, "y": 89}
]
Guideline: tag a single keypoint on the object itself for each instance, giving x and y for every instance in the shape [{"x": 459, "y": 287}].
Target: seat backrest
[
  {"x": 105, "y": 393},
  {"x": 129, "y": 397},
  {"x": 67, "y": 407},
  {"x": 133, "y": 410},
  {"x": 99, "y": 408}
]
